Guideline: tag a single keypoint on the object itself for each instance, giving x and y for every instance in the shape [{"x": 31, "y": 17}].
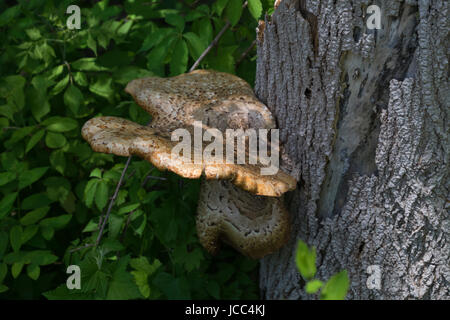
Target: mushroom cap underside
[{"x": 255, "y": 226}]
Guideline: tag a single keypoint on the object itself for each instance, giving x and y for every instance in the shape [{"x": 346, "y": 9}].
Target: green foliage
[
  {"x": 335, "y": 288},
  {"x": 54, "y": 189}
]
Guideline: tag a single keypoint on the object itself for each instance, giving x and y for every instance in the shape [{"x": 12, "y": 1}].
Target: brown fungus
[{"x": 250, "y": 218}]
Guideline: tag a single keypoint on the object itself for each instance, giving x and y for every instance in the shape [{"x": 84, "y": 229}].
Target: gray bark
[{"x": 364, "y": 115}]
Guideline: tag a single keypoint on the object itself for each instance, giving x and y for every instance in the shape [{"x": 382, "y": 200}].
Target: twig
[
  {"x": 213, "y": 43},
  {"x": 246, "y": 52},
  {"x": 87, "y": 245},
  {"x": 113, "y": 199}
]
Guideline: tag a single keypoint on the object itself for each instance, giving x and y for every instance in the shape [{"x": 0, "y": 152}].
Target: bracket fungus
[{"x": 237, "y": 204}]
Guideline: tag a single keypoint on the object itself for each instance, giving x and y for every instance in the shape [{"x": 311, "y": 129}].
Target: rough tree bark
[{"x": 364, "y": 115}]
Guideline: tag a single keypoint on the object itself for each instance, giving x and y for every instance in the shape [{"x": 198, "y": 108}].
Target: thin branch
[
  {"x": 113, "y": 199},
  {"x": 87, "y": 245},
  {"x": 213, "y": 43}
]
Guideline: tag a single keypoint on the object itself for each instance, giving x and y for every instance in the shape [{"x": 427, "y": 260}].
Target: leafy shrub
[{"x": 54, "y": 189}]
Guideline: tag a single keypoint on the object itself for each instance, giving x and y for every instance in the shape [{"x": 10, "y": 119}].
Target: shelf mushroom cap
[
  {"x": 124, "y": 138},
  {"x": 217, "y": 99}
]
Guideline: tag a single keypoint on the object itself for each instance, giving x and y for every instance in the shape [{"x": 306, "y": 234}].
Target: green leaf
[
  {"x": 124, "y": 28},
  {"x": 60, "y": 85},
  {"x": 58, "y": 161},
  {"x": 122, "y": 285},
  {"x": 175, "y": 20},
  {"x": 255, "y": 8},
  {"x": 33, "y": 271},
  {"x": 47, "y": 233},
  {"x": 80, "y": 79},
  {"x": 34, "y": 216},
  {"x": 34, "y": 201},
  {"x": 38, "y": 102},
  {"x": 3, "y": 242},
  {"x": 141, "y": 280},
  {"x": 9, "y": 14},
  {"x": 180, "y": 57},
  {"x": 56, "y": 222},
  {"x": 219, "y": 5},
  {"x": 91, "y": 44},
  {"x": 73, "y": 98},
  {"x": 128, "y": 208},
  {"x": 28, "y": 177},
  {"x": 233, "y": 11},
  {"x": 96, "y": 173},
  {"x": 213, "y": 289},
  {"x": 7, "y": 177},
  {"x": 89, "y": 192},
  {"x": 101, "y": 195},
  {"x": 11, "y": 88},
  {"x": 34, "y": 140},
  {"x": 15, "y": 237},
  {"x": 3, "y": 271},
  {"x": 55, "y": 140},
  {"x": 103, "y": 88},
  {"x": 336, "y": 287},
  {"x": 195, "y": 44},
  {"x": 6, "y": 204},
  {"x": 16, "y": 269},
  {"x": 313, "y": 286},
  {"x": 87, "y": 64},
  {"x": 29, "y": 232},
  {"x": 114, "y": 225},
  {"x": 60, "y": 124},
  {"x": 306, "y": 260},
  {"x": 33, "y": 34}
]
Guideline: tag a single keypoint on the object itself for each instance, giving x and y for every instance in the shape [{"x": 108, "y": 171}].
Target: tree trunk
[{"x": 364, "y": 116}]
